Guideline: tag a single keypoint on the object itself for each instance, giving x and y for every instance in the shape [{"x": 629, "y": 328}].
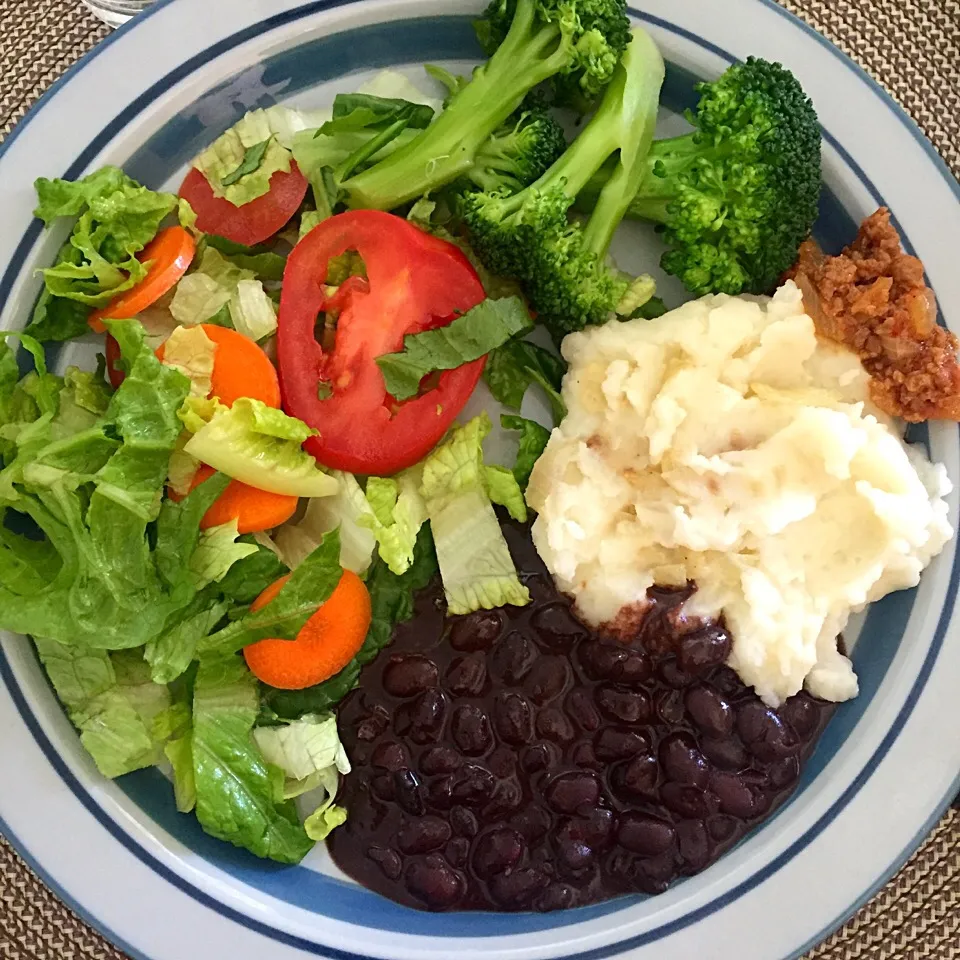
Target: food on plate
[
  {"x": 518, "y": 760},
  {"x": 737, "y": 196},
  {"x": 528, "y": 235},
  {"x": 726, "y": 445},
  {"x": 873, "y": 299},
  {"x": 277, "y": 470}
]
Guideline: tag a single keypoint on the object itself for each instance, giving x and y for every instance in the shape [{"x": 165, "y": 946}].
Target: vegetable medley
[{"x": 212, "y": 533}]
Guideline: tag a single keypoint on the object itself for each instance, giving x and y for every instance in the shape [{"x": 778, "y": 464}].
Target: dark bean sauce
[{"x": 517, "y": 760}]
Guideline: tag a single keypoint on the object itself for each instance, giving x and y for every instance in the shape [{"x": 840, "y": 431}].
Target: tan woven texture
[{"x": 913, "y": 48}]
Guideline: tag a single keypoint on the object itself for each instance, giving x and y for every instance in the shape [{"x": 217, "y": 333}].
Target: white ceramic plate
[{"x": 148, "y": 99}]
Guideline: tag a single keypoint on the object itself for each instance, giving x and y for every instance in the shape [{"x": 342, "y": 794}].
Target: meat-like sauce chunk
[{"x": 873, "y": 299}]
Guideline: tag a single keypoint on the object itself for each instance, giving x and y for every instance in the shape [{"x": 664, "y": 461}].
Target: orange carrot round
[
  {"x": 254, "y": 510},
  {"x": 328, "y": 641},
  {"x": 240, "y": 368},
  {"x": 169, "y": 254}
]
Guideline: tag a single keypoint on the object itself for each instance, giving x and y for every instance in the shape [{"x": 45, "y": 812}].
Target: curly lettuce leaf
[{"x": 514, "y": 367}]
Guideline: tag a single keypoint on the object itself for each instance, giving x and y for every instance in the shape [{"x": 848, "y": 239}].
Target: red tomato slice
[
  {"x": 415, "y": 282},
  {"x": 255, "y": 221}
]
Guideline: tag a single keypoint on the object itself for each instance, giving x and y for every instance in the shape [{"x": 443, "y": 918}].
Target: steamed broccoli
[
  {"x": 580, "y": 40},
  {"x": 527, "y": 235},
  {"x": 738, "y": 196},
  {"x": 520, "y": 152}
]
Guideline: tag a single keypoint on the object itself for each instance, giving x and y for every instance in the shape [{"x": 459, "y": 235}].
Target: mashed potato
[{"x": 723, "y": 443}]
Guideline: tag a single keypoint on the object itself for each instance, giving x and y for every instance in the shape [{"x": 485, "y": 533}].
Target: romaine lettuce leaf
[
  {"x": 533, "y": 441},
  {"x": 235, "y": 793},
  {"x": 216, "y": 552},
  {"x": 238, "y": 165},
  {"x": 252, "y": 311},
  {"x": 180, "y": 754},
  {"x": 115, "y": 720},
  {"x": 117, "y": 219},
  {"x": 175, "y": 649},
  {"x": 346, "y": 510},
  {"x": 391, "y": 601},
  {"x": 504, "y": 490},
  {"x": 309, "y": 586},
  {"x": 303, "y": 749},
  {"x": 202, "y": 294},
  {"x": 261, "y": 446},
  {"x": 248, "y": 578},
  {"x": 475, "y": 564},
  {"x": 399, "y": 513},
  {"x": 467, "y": 338},
  {"x": 193, "y": 353},
  {"x": 512, "y": 368}
]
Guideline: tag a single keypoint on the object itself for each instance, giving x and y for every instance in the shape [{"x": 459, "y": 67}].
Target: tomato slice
[
  {"x": 415, "y": 282},
  {"x": 255, "y": 221}
]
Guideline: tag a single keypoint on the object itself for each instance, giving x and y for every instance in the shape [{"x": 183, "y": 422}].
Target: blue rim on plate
[{"x": 841, "y": 223}]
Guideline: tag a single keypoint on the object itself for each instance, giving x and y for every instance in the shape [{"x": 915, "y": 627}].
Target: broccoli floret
[
  {"x": 737, "y": 197},
  {"x": 519, "y": 153},
  {"x": 580, "y": 40},
  {"x": 563, "y": 265}
]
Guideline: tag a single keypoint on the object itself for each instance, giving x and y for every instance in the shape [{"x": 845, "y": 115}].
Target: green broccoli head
[
  {"x": 737, "y": 197},
  {"x": 590, "y": 34},
  {"x": 520, "y": 152}
]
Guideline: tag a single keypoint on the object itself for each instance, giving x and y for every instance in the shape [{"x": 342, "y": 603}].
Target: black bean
[
  {"x": 556, "y": 627},
  {"x": 440, "y": 759},
  {"x": 518, "y": 888},
  {"x": 618, "y": 743},
  {"x": 496, "y": 851},
  {"x": 555, "y": 726},
  {"x": 704, "y": 648},
  {"x": 766, "y": 736},
  {"x": 408, "y": 675},
  {"x": 388, "y": 860},
  {"x": 627, "y": 706},
  {"x": 710, "y": 711},
  {"x": 682, "y": 761},
  {"x": 571, "y": 792},
  {"x": 477, "y": 631},
  {"x": 409, "y": 792},
  {"x": 467, "y": 676},
  {"x": 694, "y": 843},
  {"x": 391, "y": 756},
  {"x": 646, "y": 835},
  {"x": 470, "y": 729},
  {"x": 512, "y": 658},
  {"x": 423, "y": 835},
  {"x": 435, "y": 882}
]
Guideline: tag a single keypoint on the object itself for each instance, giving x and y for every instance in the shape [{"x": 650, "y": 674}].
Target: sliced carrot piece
[
  {"x": 328, "y": 641},
  {"x": 254, "y": 510},
  {"x": 169, "y": 254},
  {"x": 240, "y": 369}
]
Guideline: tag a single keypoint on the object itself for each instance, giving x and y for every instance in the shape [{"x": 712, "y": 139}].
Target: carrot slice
[
  {"x": 169, "y": 254},
  {"x": 254, "y": 510},
  {"x": 241, "y": 368},
  {"x": 328, "y": 641}
]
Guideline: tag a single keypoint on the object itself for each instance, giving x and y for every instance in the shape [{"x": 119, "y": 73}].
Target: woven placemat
[{"x": 913, "y": 48}]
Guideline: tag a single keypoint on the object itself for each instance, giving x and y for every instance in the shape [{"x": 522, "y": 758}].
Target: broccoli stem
[{"x": 530, "y": 54}]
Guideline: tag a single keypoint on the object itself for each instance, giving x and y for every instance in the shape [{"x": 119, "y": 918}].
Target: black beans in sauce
[{"x": 516, "y": 760}]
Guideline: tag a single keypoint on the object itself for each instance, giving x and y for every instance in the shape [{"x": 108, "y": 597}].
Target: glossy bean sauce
[{"x": 517, "y": 760}]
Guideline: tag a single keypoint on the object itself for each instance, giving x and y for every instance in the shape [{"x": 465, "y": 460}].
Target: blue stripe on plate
[{"x": 455, "y": 41}]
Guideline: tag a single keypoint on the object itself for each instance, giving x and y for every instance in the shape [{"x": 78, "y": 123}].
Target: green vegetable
[
  {"x": 170, "y": 654},
  {"x": 117, "y": 219},
  {"x": 180, "y": 754},
  {"x": 528, "y": 235},
  {"x": 252, "y": 310},
  {"x": 309, "y": 586},
  {"x": 503, "y": 489},
  {"x": 201, "y": 295},
  {"x": 252, "y": 161},
  {"x": 533, "y": 441},
  {"x": 475, "y": 564},
  {"x": 303, "y": 750},
  {"x": 513, "y": 367},
  {"x": 391, "y": 601},
  {"x": 467, "y": 338},
  {"x": 216, "y": 552},
  {"x": 235, "y": 786},
  {"x": 112, "y": 583},
  {"x": 239, "y": 164},
  {"x": 398, "y": 514},
  {"x": 115, "y": 721},
  {"x": 193, "y": 353},
  {"x": 260, "y": 446},
  {"x": 738, "y": 196},
  {"x": 248, "y": 578},
  {"x": 344, "y": 511},
  {"x": 264, "y": 263},
  {"x": 577, "y": 43}
]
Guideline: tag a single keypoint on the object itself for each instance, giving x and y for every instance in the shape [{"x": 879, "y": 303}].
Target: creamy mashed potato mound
[{"x": 724, "y": 443}]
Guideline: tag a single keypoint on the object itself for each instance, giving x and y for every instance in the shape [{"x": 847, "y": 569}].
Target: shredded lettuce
[
  {"x": 260, "y": 446},
  {"x": 238, "y": 165},
  {"x": 475, "y": 564},
  {"x": 346, "y": 510},
  {"x": 203, "y": 294},
  {"x": 467, "y": 338},
  {"x": 252, "y": 310},
  {"x": 193, "y": 353}
]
